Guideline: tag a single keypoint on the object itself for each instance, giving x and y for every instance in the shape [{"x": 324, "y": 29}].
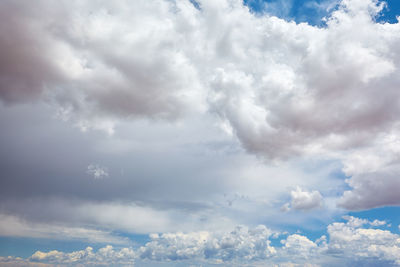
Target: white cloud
[
  {"x": 20, "y": 262},
  {"x": 240, "y": 244},
  {"x": 105, "y": 256},
  {"x": 373, "y": 173},
  {"x": 351, "y": 240},
  {"x": 97, "y": 171},
  {"x": 284, "y": 89},
  {"x": 349, "y": 243},
  {"x": 299, "y": 246},
  {"x": 303, "y": 200}
]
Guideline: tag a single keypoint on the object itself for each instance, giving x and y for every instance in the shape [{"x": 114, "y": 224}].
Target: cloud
[
  {"x": 350, "y": 243},
  {"x": 351, "y": 240},
  {"x": 373, "y": 175},
  {"x": 240, "y": 244},
  {"x": 12, "y": 226},
  {"x": 299, "y": 246},
  {"x": 113, "y": 59},
  {"x": 284, "y": 89},
  {"x": 105, "y": 256},
  {"x": 20, "y": 262},
  {"x": 303, "y": 200},
  {"x": 97, "y": 171}
]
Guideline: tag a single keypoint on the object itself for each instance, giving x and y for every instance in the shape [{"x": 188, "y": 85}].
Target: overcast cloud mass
[{"x": 199, "y": 133}]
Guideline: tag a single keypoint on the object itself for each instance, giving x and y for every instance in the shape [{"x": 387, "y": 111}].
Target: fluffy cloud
[
  {"x": 349, "y": 239},
  {"x": 303, "y": 200},
  {"x": 106, "y": 256},
  {"x": 284, "y": 89},
  {"x": 373, "y": 174},
  {"x": 240, "y": 244},
  {"x": 350, "y": 242},
  {"x": 110, "y": 58}
]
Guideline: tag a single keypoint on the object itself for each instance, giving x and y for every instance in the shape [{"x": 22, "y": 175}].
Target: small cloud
[
  {"x": 303, "y": 200},
  {"x": 377, "y": 223},
  {"x": 97, "y": 171}
]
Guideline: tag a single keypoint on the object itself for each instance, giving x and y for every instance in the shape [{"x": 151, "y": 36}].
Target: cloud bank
[{"x": 352, "y": 242}]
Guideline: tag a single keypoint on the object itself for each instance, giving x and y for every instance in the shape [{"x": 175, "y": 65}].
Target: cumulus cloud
[
  {"x": 284, "y": 89},
  {"x": 373, "y": 175},
  {"x": 20, "y": 262},
  {"x": 303, "y": 200},
  {"x": 299, "y": 246},
  {"x": 350, "y": 243},
  {"x": 116, "y": 59},
  {"x": 240, "y": 244},
  {"x": 106, "y": 256},
  {"x": 349, "y": 239}
]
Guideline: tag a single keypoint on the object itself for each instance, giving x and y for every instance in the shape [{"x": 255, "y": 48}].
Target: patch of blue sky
[
  {"x": 137, "y": 240},
  {"x": 25, "y": 247},
  {"x": 390, "y": 12},
  {"x": 195, "y": 4},
  {"x": 313, "y": 12},
  {"x": 389, "y": 214}
]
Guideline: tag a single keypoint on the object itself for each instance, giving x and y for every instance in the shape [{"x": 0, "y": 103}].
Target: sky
[{"x": 200, "y": 133}]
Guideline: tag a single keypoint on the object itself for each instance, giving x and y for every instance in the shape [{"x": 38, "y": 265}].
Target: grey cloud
[
  {"x": 12, "y": 226},
  {"x": 89, "y": 57},
  {"x": 284, "y": 89},
  {"x": 373, "y": 175},
  {"x": 97, "y": 171},
  {"x": 28, "y": 52},
  {"x": 372, "y": 190}
]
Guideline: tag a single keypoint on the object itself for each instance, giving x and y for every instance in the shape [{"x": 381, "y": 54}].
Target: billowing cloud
[
  {"x": 352, "y": 240},
  {"x": 212, "y": 114},
  {"x": 283, "y": 89},
  {"x": 100, "y": 57},
  {"x": 105, "y": 256},
  {"x": 373, "y": 173},
  {"x": 303, "y": 200},
  {"x": 240, "y": 244}
]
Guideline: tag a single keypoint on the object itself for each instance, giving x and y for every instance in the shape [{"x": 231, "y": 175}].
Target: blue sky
[
  {"x": 312, "y": 12},
  {"x": 200, "y": 133}
]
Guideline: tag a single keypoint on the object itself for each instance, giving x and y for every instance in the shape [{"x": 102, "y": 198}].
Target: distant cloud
[
  {"x": 88, "y": 257},
  {"x": 13, "y": 226},
  {"x": 303, "y": 200},
  {"x": 97, "y": 171},
  {"x": 239, "y": 244},
  {"x": 350, "y": 240}
]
